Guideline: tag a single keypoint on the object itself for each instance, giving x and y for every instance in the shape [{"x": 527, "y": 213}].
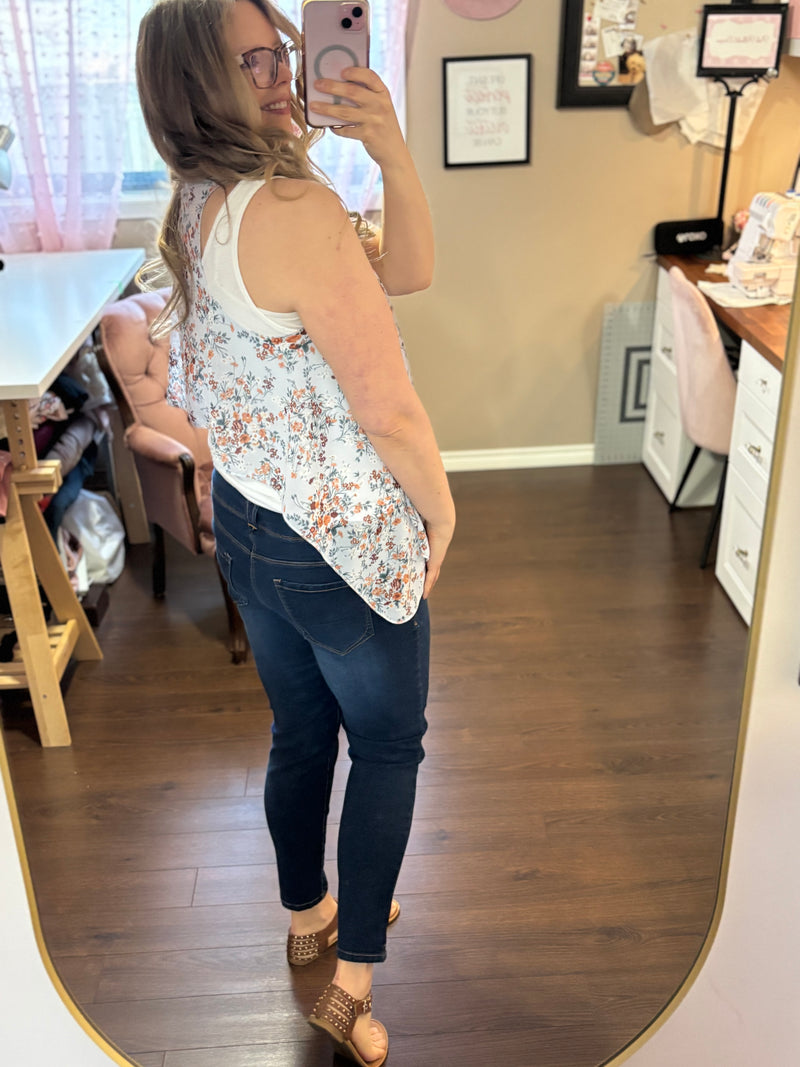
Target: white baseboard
[{"x": 498, "y": 459}]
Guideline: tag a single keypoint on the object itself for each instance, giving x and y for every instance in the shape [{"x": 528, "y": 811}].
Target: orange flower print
[{"x": 292, "y": 429}]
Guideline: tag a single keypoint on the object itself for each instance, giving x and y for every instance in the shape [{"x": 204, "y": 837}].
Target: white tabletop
[{"x": 49, "y": 303}]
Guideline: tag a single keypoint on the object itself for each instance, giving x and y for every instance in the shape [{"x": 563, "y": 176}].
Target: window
[
  {"x": 143, "y": 168},
  {"x": 345, "y": 162}
]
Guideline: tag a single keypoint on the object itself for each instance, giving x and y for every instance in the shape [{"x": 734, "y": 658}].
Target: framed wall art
[
  {"x": 600, "y": 58},
  {"x": 487, "y": 106},
  {"x": 740, "y": 40}
]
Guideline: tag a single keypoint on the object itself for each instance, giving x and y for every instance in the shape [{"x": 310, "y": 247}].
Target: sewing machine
[{"x": 765, "y": 260}]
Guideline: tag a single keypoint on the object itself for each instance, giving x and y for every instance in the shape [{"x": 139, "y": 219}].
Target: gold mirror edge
[
  {"x": 788, "y": 387},
  {"x": 114, "y": 1054}
]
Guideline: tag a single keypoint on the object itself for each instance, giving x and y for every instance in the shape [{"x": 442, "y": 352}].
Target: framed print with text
[{"x": 487, "y": 107}]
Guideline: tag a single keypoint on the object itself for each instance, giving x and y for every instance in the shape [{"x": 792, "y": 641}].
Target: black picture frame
[
  {"x": 718, "y": 15},
  {"x": 487, "y": 110},
  {"x": 570, "y": 93}
]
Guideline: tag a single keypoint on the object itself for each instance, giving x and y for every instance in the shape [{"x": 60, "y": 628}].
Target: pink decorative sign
[{"x": 741, "y": 40}]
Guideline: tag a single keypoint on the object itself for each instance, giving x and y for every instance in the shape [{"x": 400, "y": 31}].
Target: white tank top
[
  {"x": 280, "y": 428},
  {"x": 225, "y": 284}
]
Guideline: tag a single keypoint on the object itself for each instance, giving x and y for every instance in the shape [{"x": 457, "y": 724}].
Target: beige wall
[{"x": 505, "y": 345}]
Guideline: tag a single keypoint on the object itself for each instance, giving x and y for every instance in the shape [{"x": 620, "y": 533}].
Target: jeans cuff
[
  {"x": 361, "y": 957},
  {"x": 306, "y": 906}
]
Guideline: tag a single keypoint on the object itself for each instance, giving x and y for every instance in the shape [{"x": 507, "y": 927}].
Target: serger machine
[{"x": 765, "y": 260}]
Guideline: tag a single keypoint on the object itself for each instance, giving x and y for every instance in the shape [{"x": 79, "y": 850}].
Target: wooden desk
[
  {"x": 764, "y": 333},
  {"x": 765, "y": 328},
  {"x": 51, "y": 303}
]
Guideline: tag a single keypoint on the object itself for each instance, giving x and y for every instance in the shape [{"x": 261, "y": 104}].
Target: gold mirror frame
[{"x": 774, "y": 648}]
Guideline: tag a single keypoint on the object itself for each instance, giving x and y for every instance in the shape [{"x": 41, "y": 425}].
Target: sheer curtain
[
  {"x": 354, "y": 175},
  {"x": 63, "y": 87}
]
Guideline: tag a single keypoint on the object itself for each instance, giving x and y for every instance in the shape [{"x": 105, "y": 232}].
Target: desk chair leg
[
  {"x": 159, "y": 562},
  {"x": 238, "y": 645},
  {"x": 712, "y": 528},
  {"x": 674, "y": 505}
]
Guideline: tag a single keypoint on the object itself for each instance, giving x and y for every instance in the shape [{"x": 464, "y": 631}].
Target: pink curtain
[
  {"x": 411, "y": 29},
  {"x": 64, "y": 79},
  {"x": 352, "y": 172}
]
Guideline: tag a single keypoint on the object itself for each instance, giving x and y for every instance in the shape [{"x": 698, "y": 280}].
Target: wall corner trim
[{"x": 498, "y": 459}]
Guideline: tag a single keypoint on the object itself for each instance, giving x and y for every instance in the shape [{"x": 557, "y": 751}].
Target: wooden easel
[{"x": 28, "y": 556}]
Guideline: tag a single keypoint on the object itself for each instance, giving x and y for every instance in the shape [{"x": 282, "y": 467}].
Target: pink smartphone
[{"x": 335, "y": 36}]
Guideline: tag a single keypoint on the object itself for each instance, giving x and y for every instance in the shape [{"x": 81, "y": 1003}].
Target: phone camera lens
[
  {"x": 357, "y": 12},
  {"x": 347, "y": 23}
]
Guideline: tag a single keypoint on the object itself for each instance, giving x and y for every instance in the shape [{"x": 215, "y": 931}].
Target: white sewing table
[{"x": 51, "y": 301}]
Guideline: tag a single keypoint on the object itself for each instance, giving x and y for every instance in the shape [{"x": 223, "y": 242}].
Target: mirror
[
  {"x": 537, "y": 851},
  {"x": 564, "y": 774}
]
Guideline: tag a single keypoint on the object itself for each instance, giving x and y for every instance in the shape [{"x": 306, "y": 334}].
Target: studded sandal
[
  {"x": 335, "y": 1013},
  {"x": 302, "y": 949}
]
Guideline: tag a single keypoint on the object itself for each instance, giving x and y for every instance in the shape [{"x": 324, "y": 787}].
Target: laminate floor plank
[
  {"x": 562, "y": 867},
  {"x": 150, "y": 1059},
  {"x": 506, "y": 1004},
  {"x": 259, "y": 968}
]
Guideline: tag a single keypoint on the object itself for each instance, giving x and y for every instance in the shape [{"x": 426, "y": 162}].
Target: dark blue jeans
[{"x": 327, "y": 660}]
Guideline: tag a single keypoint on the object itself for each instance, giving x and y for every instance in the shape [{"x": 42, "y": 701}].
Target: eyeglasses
[{"x": 263, "y": 64}]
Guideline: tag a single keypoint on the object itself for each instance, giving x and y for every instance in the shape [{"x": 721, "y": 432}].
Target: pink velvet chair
[
  {"x": 706, "y": 385},
  {"x": 172, "y": 457}
]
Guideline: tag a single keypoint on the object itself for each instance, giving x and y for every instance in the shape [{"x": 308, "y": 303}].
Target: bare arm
[
  {"x": 317, "y": 267},
  {"x": 406, "y": 241}
]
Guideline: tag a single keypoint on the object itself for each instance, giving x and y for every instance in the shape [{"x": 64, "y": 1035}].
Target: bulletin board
[{"x": 601, "y": 55}]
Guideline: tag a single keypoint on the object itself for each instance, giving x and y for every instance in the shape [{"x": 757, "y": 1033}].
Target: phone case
[{"x": 330, "y": 46}]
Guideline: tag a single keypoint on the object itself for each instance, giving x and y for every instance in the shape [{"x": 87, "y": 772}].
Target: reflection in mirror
[
  {"x": 563, "y": 860},
  {"x": 562, "y": 868},
  {"x": 737, "y": 1005}
]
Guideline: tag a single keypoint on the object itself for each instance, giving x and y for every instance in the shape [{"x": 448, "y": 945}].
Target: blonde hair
[{"x": 203, "y": 121}]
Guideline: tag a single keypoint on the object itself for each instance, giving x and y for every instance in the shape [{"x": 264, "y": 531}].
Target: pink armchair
[{"x": 172, "y": 457}]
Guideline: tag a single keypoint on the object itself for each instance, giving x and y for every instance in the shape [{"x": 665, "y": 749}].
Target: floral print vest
[{"x": 275, "y": 412}]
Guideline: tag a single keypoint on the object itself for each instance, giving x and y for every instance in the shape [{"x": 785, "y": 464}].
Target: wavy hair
[{"x": 204, "y": 123}]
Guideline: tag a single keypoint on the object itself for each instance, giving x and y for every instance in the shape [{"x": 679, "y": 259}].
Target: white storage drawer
[
  {"x": 665, "y": 447},
  {"x": 740, "y": 543},
  {"x": 663, "y": 300},
  {"x": 662, "y": 442},
  {"x": 664, "y": 378},
  {"x": 662, "y": 341},
  {"x": 760, "y": 377},
  {"x": 752, "y": 442}
]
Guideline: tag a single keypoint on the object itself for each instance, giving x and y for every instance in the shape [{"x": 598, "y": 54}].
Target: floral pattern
[{"x": 275, "y": 412}]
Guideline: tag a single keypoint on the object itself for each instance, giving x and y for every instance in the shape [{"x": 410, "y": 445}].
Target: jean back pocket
[{"x": 330, "y": 615}]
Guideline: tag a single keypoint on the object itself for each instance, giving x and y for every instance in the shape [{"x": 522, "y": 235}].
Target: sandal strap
[
  {"x": 305, "y": 948},
  {"x": 339, "y": 1008}
]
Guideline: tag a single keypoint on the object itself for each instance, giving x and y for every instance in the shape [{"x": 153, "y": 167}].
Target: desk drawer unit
[
  {"x": 662, "y": 340},
  {"x": 662, "y": 442},
  {"x": 740, "y": 543},
  {"x": 761, "y": 378},
  {"x": 664, "y": 299},
  {"x": 752, "y": 440},
  {"x": 666, "y": 448}
]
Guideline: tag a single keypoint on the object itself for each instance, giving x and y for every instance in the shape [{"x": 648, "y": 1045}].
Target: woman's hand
[
  {"x": 439, "y": 538},
  {"x": 372, "y": 120}
]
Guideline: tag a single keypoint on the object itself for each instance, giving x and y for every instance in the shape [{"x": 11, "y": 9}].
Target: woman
[{"x": 331, "y": 506}]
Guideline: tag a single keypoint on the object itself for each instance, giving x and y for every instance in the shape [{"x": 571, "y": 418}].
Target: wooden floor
[{"x": 585, "y": 692}]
